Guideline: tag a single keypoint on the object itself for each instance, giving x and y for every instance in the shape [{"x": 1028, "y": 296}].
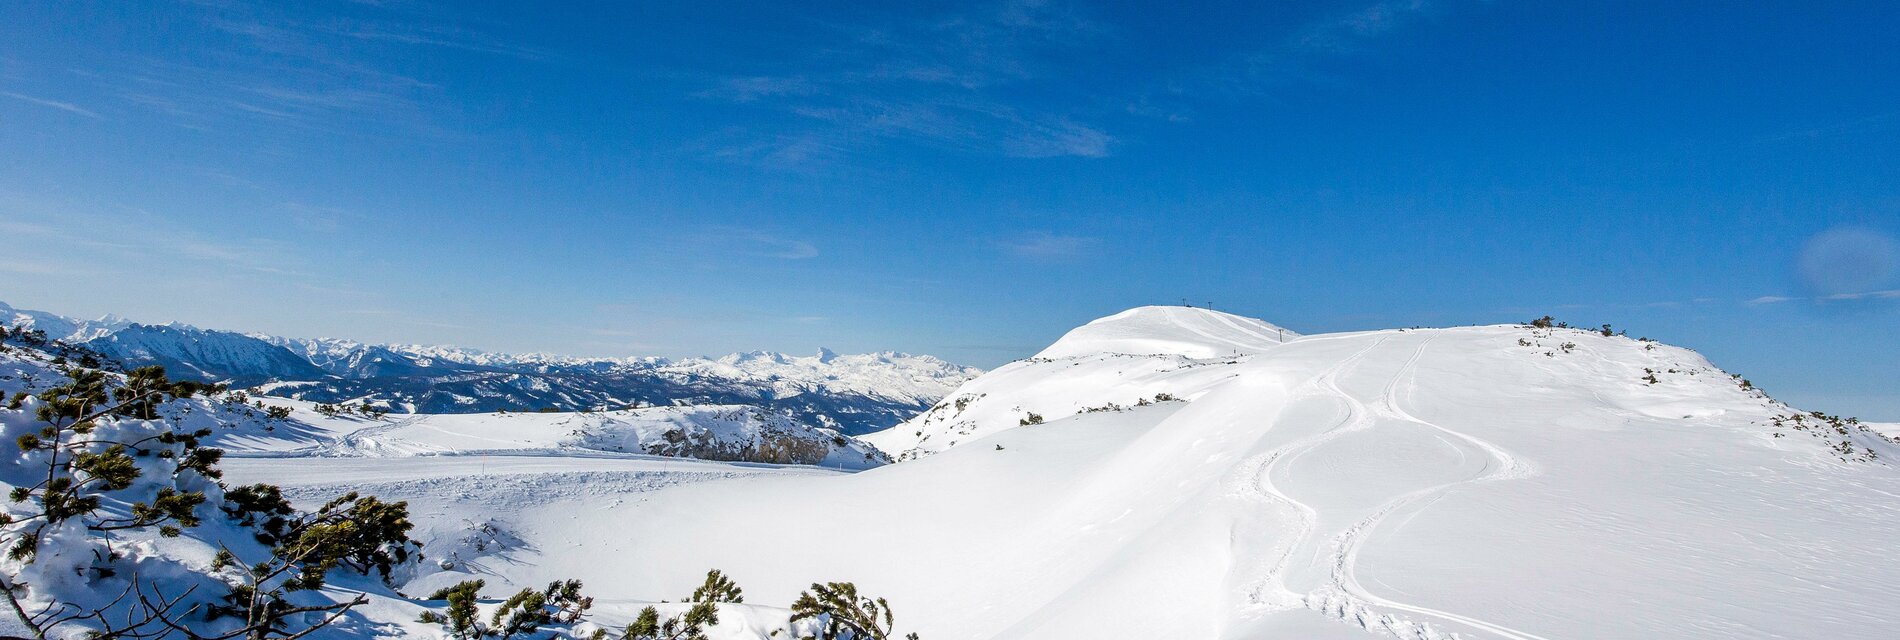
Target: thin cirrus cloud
[
  {"x": 781, "y": 248},
  {"x": 1345, "y": 32},
  {"x": 1883, "y": 294},
  {"x": 259, "y": 65},
  {"x": 956, "y": 82},
  {"x": 438, "y": 36},
  {"x": 54, "y": 104},
  {"x": 943, "y": 82},
  {"x": 1292, "y": 59},
  {"x": 1049, "y": 246},
  {"x": 734, "y": 241},
  {"x": 130, "y": 241}
]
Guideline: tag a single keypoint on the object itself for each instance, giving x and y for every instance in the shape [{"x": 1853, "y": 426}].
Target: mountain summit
[{"x": 1182, "y": 331}]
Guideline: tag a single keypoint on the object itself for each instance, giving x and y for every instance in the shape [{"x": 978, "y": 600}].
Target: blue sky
[{"x": 967, "y": 180}]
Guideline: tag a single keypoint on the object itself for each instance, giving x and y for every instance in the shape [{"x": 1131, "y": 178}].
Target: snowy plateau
[{"x": 1161, "y": 473}]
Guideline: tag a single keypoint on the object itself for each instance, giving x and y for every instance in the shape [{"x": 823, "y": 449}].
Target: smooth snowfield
[{"x": 1484, "y": 482}]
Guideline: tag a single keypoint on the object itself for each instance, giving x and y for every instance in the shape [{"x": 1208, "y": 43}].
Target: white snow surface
[
  {"x": 711, "y": 432},
  {"x": 1196, "y": 475},
  {"x": 1182, "y": 331}
]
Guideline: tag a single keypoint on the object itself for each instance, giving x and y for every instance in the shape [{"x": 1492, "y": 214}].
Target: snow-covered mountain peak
[
  {"x": 1183, "y": 331},
  {"x": 852, "y": 393},
  {"x": 743, "y": 357},
  {"x": 60, "y": 327}
]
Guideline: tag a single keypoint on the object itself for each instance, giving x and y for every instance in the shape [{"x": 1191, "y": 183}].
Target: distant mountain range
[{"x": 854, "y": 394}]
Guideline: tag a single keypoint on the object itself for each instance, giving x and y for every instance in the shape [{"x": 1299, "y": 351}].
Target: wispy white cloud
[
  {"x": 1345, "y": 32},
  {"x": 943, "y": 82},
  {"x": 318, "y": 218},
  {"x": 784, "y": 151},
  {"x": 1058, "y": 138},
  {"x": 731, "y": 241},
  {"x": 1046, "y": 246},
  {"x": 436, "y": 35},
  {"x": 1883, "y": 294},
  {"x": 55, "y": 104},
  {"x": 268, "y": 67},
  {"x": 752, "y": 88},
  {"x": 20, "y": 228},
  {"x": 1848, "y": 260},
  {"x": 1147, "y": 107},
  {"x": 781, "y": 248},
  {"x": 1294, "y": 57},
  {"x": 29, "y": 267},
  {"x": 135, "y": 238},
  {"x": 1886, "y": 294}
]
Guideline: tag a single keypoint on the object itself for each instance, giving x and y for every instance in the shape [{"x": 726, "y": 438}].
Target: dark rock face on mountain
[{"x": 206, "y": 355}]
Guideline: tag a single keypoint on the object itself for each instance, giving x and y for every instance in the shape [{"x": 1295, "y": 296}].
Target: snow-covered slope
[
  {"x": 1181, "y": 331},
  {"x": 188, "y": 351},
  {"x": 59, "y": 327},
  {"x": 1484, "y": 482},
  {"x": 1133, "y": 358}
]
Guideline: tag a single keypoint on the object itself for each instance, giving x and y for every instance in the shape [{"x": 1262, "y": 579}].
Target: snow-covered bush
[
  {"x": 843, "y": 614},
  {"x": 523, "y": 614},
  {"x": 717, "y": 588},
  {"x": 117, "y": 525}
]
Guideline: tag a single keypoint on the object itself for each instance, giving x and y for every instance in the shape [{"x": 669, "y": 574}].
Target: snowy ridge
[
  {"x": 1182, "y": 331},
  {"x": 1142, "y": 355},
  {"x": 60, "y": 327},
  {"x": 850, "y": 393}
]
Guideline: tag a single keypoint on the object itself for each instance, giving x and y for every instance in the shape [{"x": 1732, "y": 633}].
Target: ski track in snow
[
  {"x": 1343, "y": 597},
  {"x": 1270, "y": 591},
  {"x": 353, "y": 443},
  {"x": 1349, "y": 542}
]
